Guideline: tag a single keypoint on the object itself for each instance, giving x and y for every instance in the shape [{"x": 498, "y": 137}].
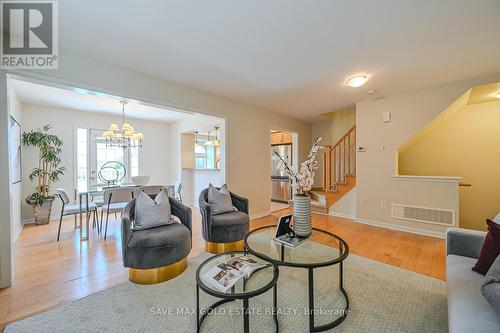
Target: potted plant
[
  {"x": 304, "y": 180},
  {"x": 48, "y": 171}
]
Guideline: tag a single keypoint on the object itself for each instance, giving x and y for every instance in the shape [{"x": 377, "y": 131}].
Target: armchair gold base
[
  {"x": 157, "y": 275},
  {"x": 216, "y": 248}
]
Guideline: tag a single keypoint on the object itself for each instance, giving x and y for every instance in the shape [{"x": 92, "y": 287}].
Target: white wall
[
  {"x": 375, "y": 168},
  {"x": 15, "y": 189},
  {"x": 187, "y": 179},
  {"x": 201, "y": 179},
  {"x": 153, "y": 157},
  {"x": 345, "y": 206}
]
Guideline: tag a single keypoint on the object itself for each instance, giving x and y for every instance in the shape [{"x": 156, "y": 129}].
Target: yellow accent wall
[
  {"x": 464, "y": 140},
  {"x": 341, "y": 122}
]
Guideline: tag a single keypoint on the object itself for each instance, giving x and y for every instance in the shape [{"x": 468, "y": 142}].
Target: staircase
[{"x": 339, "y": 172}]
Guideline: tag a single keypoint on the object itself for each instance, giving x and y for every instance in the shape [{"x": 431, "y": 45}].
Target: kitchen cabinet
[
  {"x": 280, "y": 138},
  {"x": 287, "y": 137},
  {"x": 276, "y": 138}
]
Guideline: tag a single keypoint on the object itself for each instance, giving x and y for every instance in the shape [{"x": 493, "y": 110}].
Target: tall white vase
[{"x": 302, "y": 215}]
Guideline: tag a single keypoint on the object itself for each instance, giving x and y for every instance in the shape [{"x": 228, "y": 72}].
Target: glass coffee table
[
  {"x": 320, "y": 250},
  {"x": 258, "y": 283}
]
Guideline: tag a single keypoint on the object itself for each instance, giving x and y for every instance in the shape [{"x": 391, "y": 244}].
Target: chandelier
[{"x": 126, "y": 137}]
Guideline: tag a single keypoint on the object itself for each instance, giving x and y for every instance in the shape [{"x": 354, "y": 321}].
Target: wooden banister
[{"x": 339, "y": 160}]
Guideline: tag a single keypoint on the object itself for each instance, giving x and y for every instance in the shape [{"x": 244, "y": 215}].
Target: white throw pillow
[
  {"x": 151, "y": 213},
  {"x": 219, "y": 200}
]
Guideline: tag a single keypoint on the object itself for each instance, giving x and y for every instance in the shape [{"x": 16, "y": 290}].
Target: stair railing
[{"x": 339, "y": 160}]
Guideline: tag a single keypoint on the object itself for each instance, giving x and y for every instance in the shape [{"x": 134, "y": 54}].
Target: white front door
[{"x": 102, "y": 169}]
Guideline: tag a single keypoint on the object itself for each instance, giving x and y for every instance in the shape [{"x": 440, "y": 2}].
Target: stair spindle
[{"x": 340, "y": 160}]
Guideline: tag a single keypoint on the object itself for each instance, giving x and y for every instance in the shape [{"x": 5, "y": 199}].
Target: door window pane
[
  {"x": 81, "y": 158},
  {"x": 105, "y": 154},
  {"x": 93, "y": 153}
]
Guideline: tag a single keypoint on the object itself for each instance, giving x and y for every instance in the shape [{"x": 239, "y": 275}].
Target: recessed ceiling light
[
  {"x": 497, "y": 95},
  {"x": 357, "y": 80},
  {"x": 370, "y": 92}
]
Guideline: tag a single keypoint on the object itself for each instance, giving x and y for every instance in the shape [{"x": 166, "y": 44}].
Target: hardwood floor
[{"x": 49, "y": 273}]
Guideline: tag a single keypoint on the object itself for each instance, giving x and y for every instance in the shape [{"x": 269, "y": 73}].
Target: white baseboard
[
  {"x": 54, "y": 217},
  {"x": 390, "y": 225},
  {"x": 18, "y": 233},
  {"x": 342, "y": 215},
  {"x": 32, "y": 220},
  {"x": 259, "y": 215},
  {"x": 402, "y": 228}
]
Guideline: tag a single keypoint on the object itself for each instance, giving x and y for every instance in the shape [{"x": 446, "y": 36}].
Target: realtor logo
[{"x": 29, "y": 34}]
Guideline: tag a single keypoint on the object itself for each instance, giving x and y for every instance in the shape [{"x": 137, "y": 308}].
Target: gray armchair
[
  {"x": 224, "y": 232},
  {"x": 468, "y": 310},
  {"x": 157, "y": 254}
]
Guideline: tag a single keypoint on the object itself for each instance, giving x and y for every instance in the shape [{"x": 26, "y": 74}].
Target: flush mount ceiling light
[
  {"x": 497, "y": 95},
  {"x": 357, "y": 81}
]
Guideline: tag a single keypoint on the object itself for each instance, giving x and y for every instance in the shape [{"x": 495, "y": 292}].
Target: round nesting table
[
  {"x": 321, "y": 249},
  {"x": 258, "y": 283}
]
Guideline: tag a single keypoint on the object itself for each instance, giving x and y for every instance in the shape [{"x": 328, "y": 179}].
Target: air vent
[{"x": 422, "y": 214}]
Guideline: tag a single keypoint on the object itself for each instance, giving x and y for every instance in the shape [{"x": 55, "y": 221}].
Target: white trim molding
[
  {"x": 342, "y": 215},
  {"x": 16, "y": 237},
  {"x": 433, "y": 179},
  {"x": 259, "y": 215},
  {"x": 32, "y": 220}
]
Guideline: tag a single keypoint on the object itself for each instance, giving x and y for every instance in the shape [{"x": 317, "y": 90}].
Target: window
[
  {"x": 134, "y": 162},
  {"x": 92, "y": 153},
  {"x": 206, "y": 156},
  {"x": 200, "y": 155}
]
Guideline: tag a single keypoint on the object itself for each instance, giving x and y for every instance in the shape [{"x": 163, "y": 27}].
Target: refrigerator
[{"x": 281, "y": 185}]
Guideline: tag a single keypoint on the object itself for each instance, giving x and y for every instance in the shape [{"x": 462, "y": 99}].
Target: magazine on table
[{"x": 225, "y": 275}]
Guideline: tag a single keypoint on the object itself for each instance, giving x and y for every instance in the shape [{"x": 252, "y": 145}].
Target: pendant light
[
  {"x": 209, "y": 142},
  {"x": 196, "y": 144},
  {"x": 216, "y": 141}
]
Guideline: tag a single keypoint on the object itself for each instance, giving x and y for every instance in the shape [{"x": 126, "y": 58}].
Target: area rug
[{"x": 382, "y": 299}]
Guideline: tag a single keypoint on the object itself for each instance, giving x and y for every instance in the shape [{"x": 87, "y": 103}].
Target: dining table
[{"x": 97, "y": 191}]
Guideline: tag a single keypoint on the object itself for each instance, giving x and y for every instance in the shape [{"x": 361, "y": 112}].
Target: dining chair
[
  {"x": 178, "y": 188},
  {"x": 73, "y": 209},
  {"x": 115, "y": 201},
  {"x": 152, "y": 189}
]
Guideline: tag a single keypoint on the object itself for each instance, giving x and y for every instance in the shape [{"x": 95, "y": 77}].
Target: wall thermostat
[{"x": 386, "y": 116}]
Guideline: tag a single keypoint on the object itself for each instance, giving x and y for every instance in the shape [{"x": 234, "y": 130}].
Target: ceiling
[
  {"x": 84, "y": 100},
  {"x": 290, "y": 57}
]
